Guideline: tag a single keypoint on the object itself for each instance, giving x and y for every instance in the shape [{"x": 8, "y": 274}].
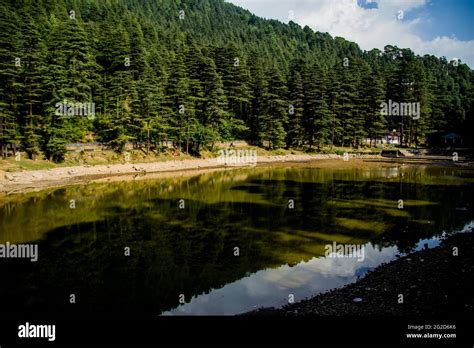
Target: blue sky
[
  {"x": 448, "y": 18},
  {"x": 439, "y": 27}
]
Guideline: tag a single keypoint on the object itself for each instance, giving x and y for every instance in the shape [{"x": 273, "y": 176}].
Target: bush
[{"x": 56, "y": 149}]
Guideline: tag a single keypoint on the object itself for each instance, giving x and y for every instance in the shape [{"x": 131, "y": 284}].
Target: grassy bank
[{"x": 107, "y": 157}]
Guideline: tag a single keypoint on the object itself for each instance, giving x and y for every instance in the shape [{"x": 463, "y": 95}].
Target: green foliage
[
  {"x": 295, "y": 132},
  {"x": 56, "y": 147},
  {"x": 220, "y": 73}
]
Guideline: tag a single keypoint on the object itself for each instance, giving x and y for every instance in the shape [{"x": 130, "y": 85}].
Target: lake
[{"x": 222, "y": 242}]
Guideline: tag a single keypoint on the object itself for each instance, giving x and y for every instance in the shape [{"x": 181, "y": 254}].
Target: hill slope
[{"x": 197, "y": 71}]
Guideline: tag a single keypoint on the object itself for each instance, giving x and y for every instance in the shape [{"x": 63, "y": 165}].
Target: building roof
[{"x": 452, "y": 136}]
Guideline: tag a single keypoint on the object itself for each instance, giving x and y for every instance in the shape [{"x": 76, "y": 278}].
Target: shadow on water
[{"x": 192, "y": 250}]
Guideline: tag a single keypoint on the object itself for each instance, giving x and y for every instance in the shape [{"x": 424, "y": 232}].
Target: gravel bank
[{"x": 433, "y": 282}]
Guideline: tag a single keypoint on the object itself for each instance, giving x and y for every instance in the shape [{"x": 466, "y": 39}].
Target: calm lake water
[{"x": 191, "y": 250}]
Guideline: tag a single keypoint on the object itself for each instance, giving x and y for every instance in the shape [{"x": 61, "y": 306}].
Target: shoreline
[
  {"x": 28, "y": 180},
  {"x": 35, "y": 180},
  {"x": 430, "y": 281}
]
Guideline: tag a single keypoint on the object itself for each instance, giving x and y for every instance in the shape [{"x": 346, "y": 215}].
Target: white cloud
[{"x": 370, "y": 28}]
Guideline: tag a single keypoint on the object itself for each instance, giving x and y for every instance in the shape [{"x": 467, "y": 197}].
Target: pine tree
[
  {"x": 359, "y": 132},
  {"x": 71, "y": 71},
  {"x": 275, "y": 116},
  {"x": 179, "y": 105},
  {"x": 421, "y": 95},
  {"x": 140, "y": 74},
  {"x": 118, "y": 89},
  {"x": 333, "y": 96},
  {"x": 9, "y": 79},
  {"x": 152, "y": 99},
  {"x": 347, "y": 102},
  {"x": 295, "y": 131},
  {"x": 214, "y": 115},
  {"x": 194, "y": 62},
  {"x": 235, "y": 74},
  {"x": 256, "y": 113},
  {"x": 31, "y": 77},
  {"x": 317, "y": 113},
  {"x": 375, "y": 122},
  {"x": 401, "y": 79}
]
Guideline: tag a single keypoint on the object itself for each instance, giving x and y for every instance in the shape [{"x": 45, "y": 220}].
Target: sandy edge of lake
[{"x": 33, "y": 180}]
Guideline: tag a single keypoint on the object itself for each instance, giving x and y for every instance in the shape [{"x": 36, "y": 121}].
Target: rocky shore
[{"x": 433, "y": 282}]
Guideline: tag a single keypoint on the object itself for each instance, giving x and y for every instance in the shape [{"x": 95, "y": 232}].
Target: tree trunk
[
  {"x": 401, "y": 133},
  {"x": 148, "y": 142}
]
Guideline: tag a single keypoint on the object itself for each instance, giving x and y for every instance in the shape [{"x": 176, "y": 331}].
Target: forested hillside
[{"x": 197, "y": 71}]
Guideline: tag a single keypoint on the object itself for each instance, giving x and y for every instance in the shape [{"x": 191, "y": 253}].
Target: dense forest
[{"x": 193, "y": 72}]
